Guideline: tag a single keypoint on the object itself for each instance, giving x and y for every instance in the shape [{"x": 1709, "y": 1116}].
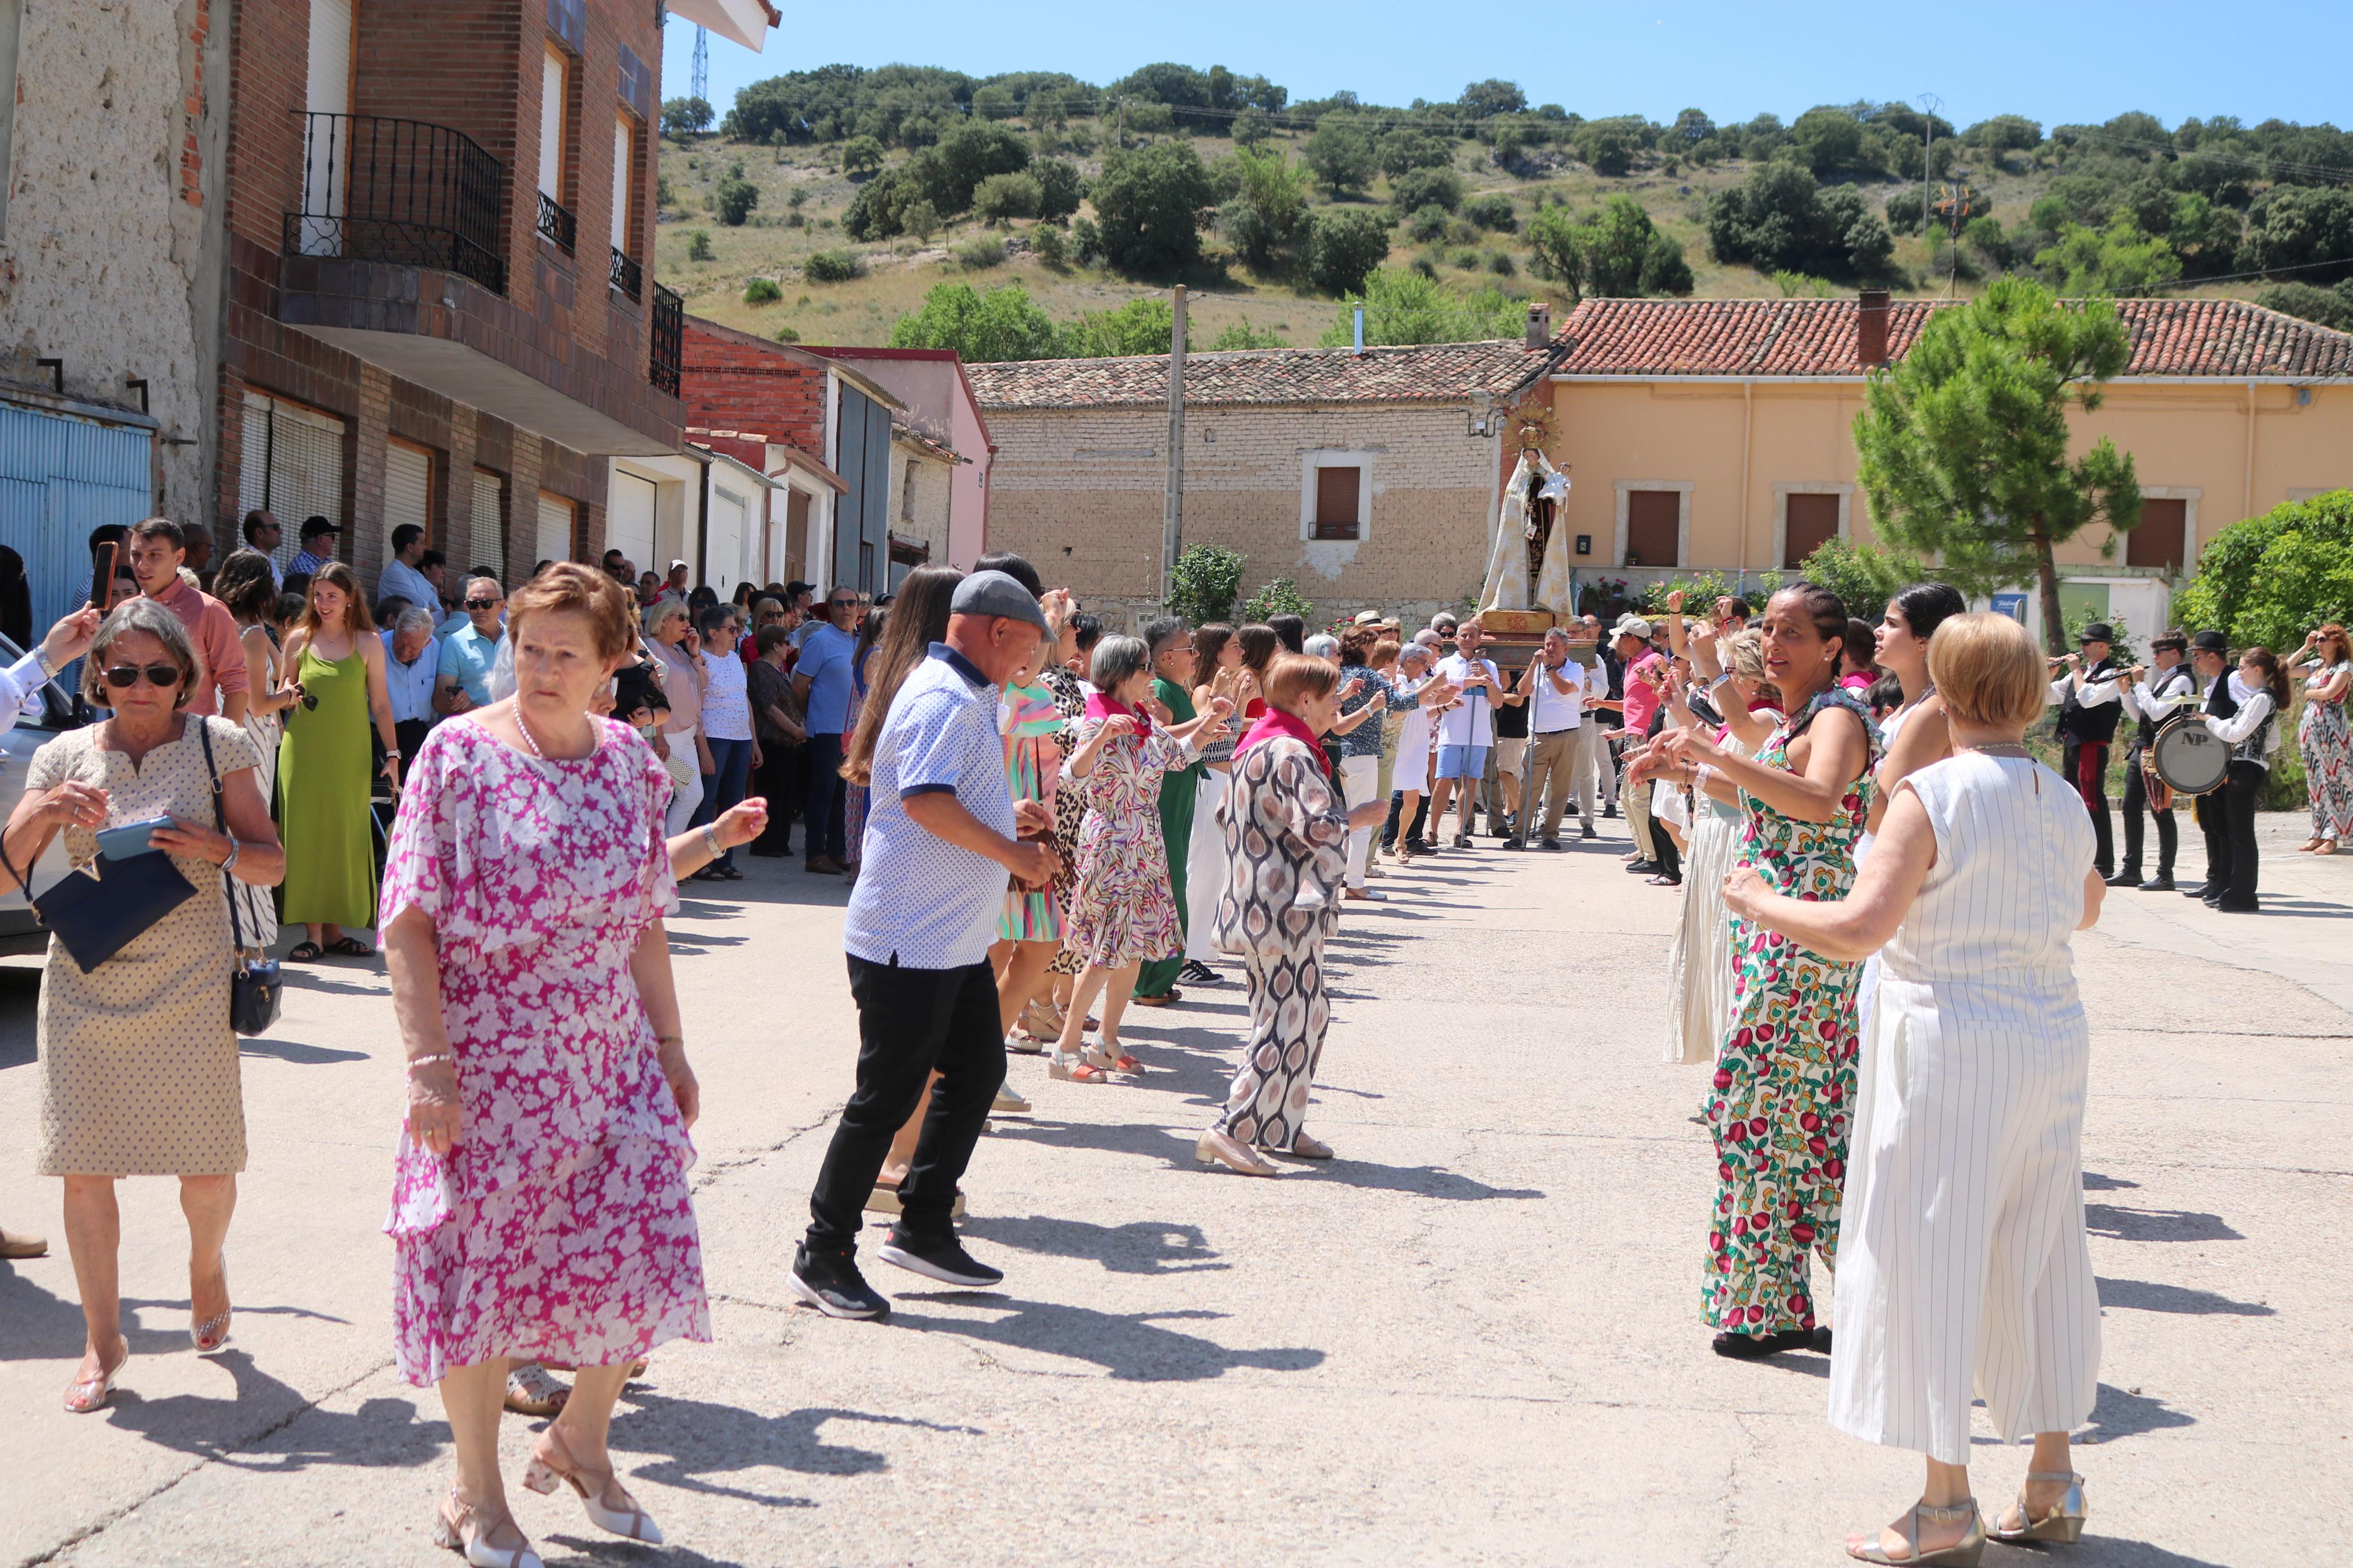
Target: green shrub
[
  {"x": 920, "y": 218},
  {"x": 1418, "y": 188},
  {"x": 1050, "y": 244},
  {"x": 832, "y": 267},
  {"x": 979, "y": 255},
  {"x": 1203, "y": 587},
  {"x": 761, "y": 291},
  {"x": 1501, "y": 264},
  {"x": 1346, "y": 243},
  {"x": 861, "y": 155},
  {"x": 2272, "y": 578},
  {"x": 1279, "y": 598},
  {"x": 698, "y": 246},
  {"x": 1428, "y": 226},
  {"x": 1001, "y": 196},
  {"x": 1493, "y": 211},
  {"x": 736, "y": 196},
  {"x": 788, "y": 334},
  {"x": 1059, "y": 187}
]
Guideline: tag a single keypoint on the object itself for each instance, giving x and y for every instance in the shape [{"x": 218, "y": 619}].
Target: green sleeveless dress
[{"x": 325, "y": 769}]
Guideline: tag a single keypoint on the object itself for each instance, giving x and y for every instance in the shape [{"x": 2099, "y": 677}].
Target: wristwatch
[
  {"x": 711, "y": 840},
  {"x": 231, "y": 864}
]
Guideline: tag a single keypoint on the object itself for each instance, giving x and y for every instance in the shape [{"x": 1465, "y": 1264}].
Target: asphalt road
[{"x": 1474, "y": 1338}]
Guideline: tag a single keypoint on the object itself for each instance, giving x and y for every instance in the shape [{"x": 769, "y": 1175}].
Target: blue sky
[{"x": 2059, "y": 62}]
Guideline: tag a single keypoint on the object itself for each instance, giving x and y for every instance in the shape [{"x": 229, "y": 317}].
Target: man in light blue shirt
[
  {"x": 411, "y": 666},
  {"x": 469, "y": 653},
  {"x": 942, "y": 835},
  {"x": 822, "y": 682},
  {"x": 401, "y": 579}
]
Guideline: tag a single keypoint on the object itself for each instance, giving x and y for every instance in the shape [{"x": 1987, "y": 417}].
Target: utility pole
[
  {"x": 1930, "y": 104},
  {"x": 1172, "y": 516}
]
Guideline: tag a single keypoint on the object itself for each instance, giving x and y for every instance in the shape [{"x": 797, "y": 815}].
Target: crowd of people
[{"x": 1043, "y": 824}]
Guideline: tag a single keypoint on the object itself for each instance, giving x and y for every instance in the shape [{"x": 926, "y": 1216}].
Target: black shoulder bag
[
  {"x": 256, "y": 987},
  {"x": 96, "y": 916}
]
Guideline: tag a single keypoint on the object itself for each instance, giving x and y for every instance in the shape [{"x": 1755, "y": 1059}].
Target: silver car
[{"x": 20, "y": 933}]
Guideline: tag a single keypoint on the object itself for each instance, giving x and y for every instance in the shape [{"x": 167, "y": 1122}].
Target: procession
[{"x": 1116, "y": 817}]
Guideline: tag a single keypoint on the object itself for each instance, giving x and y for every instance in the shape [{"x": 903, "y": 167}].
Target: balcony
[
  {"x": 628, "y": 276},
  {"x": 556, "y": 222},
  {"x": 669, "y": 340},
  {"x": 399, "y": 192}
]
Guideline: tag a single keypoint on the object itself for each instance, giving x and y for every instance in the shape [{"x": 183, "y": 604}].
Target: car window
[{"x": 56, "y": 710}]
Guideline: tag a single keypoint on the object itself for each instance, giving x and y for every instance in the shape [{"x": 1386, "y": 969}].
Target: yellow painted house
[{"x": 1717, "y": 434}]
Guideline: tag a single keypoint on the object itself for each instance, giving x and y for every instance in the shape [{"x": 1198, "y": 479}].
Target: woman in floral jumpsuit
[{"x": 1784, "y": 1087}]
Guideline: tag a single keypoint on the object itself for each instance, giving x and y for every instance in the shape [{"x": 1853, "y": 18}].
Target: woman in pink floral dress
[
  {"x": 540, "y": 1207},
  {"x": 1123, "y": 910}
]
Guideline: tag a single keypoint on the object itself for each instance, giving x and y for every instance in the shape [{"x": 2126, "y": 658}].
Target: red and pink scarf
[
  {"x": 1101, "y": 705},
  {"x": 1274, "y": 723}
]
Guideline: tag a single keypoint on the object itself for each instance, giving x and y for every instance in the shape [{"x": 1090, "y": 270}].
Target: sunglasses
[
  {"x": 124, "y": 677},
  {"x": 482, "y": 603},
  {"x": 841, "y": 605}
]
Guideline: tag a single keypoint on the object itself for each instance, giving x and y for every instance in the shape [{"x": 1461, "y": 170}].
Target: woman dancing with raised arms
[
  {"x": 1966, "y": 1271},
  {"x": 1785, "y": 1079}
]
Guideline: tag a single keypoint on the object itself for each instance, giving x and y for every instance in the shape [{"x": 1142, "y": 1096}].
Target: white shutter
[
  {"x": 722, "y": 548},
  {"x": 551, "y": 125},
  {"x": 554, "y": 528},
  {"x": 306, "y": 469},
  {"x": 408, "y": 491},
  {"x": 624, "y": 146},
  {"x": 629, "y": 520},
  {"x": 253, "y": 461},
  {"x": 489, "y": 525}
]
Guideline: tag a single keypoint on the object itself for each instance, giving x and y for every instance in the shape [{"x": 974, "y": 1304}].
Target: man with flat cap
[
  {"x": 942, "y": 834},
  {"x": 2088, "y": 692}
]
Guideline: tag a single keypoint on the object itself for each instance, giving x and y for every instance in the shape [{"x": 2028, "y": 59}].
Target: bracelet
[
  {"x": 1699, "y": 779},
  {"x": 711, "y": 840},
  {"x": 677, "y": 1040},
  {"x": 231, "y": 864},
  {"x": 415, "y": 1062}
]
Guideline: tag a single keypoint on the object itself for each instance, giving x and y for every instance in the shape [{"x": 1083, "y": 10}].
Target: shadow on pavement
[
  {"x": 2157, "y": 1224},
  {"x": 691, "y": 1440},
  {"x": 2149, "y": 1296},
  {"x": 2095, "y": 1182},
  {"x": 270, "y": 1426},
  {"x": 299, "y": 1054},
  {"x": 1141, "y": 1247},
  {"x": 1132, "y": 1347},
  {"x": 2118, "y": 1414},
  {"x": 37, "y": 1324},
  {"x": 1422, "y": 1181}
]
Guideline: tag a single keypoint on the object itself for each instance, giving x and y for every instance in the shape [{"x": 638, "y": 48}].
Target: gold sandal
[
  {"x": 1961, "y": 1553},
  {"x": 628, "y": 1521},
  {"x": 2063, "y": 1523}
]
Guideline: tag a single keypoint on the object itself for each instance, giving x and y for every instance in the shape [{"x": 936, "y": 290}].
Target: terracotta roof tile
[
  {"x": 1416, "y": 373},
  {"x": 1816, "y": 337}
]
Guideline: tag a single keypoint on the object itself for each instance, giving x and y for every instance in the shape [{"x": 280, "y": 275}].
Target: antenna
[
  {"x": 1930, "y": 104},
  {"x": 699, "y": 74}
]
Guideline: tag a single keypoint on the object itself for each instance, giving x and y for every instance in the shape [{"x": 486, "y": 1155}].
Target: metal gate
[{"x": 60, "y": 477}]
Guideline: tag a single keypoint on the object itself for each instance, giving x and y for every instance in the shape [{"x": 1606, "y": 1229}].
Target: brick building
[
  {"x": 1368, "y": 478},
  {"x": 869, "y": 485},
  {"x": 439, "y": 222}
]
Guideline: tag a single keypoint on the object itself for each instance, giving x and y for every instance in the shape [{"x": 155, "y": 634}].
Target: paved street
[{"x": 1474, "y": 1338}]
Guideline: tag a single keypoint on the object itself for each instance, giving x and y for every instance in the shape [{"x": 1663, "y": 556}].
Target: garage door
[
  {"x": 408, "y": 491},
  {"x": 629, "y": 520},
  {"x": 490, "y": 524},
  {"x": 722, "y": 550}
]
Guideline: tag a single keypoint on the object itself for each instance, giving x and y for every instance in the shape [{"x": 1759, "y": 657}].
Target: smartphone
[{"x": 126, "y": 839}]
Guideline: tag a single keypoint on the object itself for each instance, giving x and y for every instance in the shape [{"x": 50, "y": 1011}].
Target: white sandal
[
  {"x": 466, "y": 1535},
  {"x": 630, "y": 1522}
]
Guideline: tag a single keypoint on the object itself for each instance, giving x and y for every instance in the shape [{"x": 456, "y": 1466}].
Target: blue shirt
[
  {"x": 410, "y": 686},
  {"x": 467, "y": 657},
  {"x": 920, "y": 901},
  {"x": 825, "y": 659},
  {"x": 304, "y": 563}
]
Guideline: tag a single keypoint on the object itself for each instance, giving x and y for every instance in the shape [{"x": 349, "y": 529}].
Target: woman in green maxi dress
[{"x": 324, "y": 767}]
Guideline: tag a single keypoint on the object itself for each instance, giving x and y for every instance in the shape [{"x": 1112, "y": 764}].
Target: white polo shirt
[
  {"x": 1555, "y": 710},
  {"x": 1471, "y": 721}
]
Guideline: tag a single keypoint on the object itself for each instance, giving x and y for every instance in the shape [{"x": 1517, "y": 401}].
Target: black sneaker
[
  {"x": 1510, "y": 844},
  {"x": 830, "y": 1282},
  {"x": 1755, "y": 1347},
  {"x": 939, "y": 1257},
  {"x": 1589, "y": 833},
  {"x": 1555, "y": 846},
  {"x": 1609, "y": 811},
  {"x": 1199, "y": 973}
]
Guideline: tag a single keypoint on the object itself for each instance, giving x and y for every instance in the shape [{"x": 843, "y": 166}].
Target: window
[
  {"x": 797, "y": 538},
  {"x": 624, "y": 163},
  {"x": 1811, "y": 521},
  {"x": 292, "y": 463},
  {"x": 555, "y": 93},
  {"x": 490, "y": 524},
  {"x": 2160, "y": 539},
  {"x": 629, "y": 520},
  {"x": 556, "y": 519},
  {"x": 1653, "y": 528},
  {"x": 1337, "y": 514},
  {"x": 408, "y": 491}
]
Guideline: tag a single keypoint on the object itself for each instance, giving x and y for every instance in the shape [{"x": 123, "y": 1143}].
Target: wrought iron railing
[
  {"x": 556, "y": 222},
  {"x": 399, "y": 190},
  {"x": 628, "y": 276},
  {"x": 669, "y": 340}
]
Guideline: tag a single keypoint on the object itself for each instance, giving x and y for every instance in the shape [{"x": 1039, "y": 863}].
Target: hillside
[{"x": 803, "y": 195}]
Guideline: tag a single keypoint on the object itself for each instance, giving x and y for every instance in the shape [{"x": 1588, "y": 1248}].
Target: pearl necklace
[{"x": 528, "y": 739}]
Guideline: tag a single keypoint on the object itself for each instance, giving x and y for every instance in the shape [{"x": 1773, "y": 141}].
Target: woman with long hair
[
  {"x": 247, "y": 587},
  {"x": 1260, "y": 643},
  {"x": 1965, "y": 1271},
  {"x": 322, "y": 765},
  {"x": 1785, "y": 1079},
  {"x": 1217, "y": 672},
  {"x": 2324, "y": 737},
  {"x": 873, "y": 620},
  {"x": 2253, "y": 734},
  {"x": 1287, "y": 861}
]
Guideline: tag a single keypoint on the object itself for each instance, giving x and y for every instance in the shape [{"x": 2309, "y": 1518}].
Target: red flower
[
  {"x": 1809, "y": 1122},
  {"x": 1817, "y": 1146},
  {"x": 1834, "y": 1168},
  {"x": 1803, "y": 1234}
]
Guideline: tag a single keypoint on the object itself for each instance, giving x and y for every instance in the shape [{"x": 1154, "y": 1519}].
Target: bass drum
[{"x": 2187, "y": 756}]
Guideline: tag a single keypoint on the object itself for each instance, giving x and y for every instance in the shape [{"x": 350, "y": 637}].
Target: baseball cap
[
  {"x": 1631, "y": 627},
  {"x": 995, "y": 594}
]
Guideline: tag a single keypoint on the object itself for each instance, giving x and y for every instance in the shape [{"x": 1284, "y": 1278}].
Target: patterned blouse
[{"x": 1286, "y": 851}]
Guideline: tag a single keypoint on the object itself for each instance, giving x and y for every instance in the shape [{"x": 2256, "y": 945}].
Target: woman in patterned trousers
[{"x": 1286, "y": 863}]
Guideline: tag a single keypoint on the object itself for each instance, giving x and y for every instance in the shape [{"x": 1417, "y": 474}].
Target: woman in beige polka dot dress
[{"x": 139, "y": 1068}]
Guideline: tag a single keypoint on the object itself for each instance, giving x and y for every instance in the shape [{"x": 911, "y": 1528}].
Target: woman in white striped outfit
[{"x": 1964, "y": 1270}]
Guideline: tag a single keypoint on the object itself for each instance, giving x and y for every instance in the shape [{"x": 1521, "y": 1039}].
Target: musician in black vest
[
  {"x": 2149, "y": 698},
  {"x": 2250, "y": 729},
  {"x": 2087, "y": 693}
]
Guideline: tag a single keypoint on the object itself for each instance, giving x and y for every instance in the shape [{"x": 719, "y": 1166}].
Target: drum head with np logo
[{"x": 2188, "y": 757}]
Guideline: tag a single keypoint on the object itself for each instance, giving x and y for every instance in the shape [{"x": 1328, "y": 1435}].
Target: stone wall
[
  {"x": 1079, "y": 491},
  {"x": 111, "y": 259},
  {"x": 922, "y": 491}
]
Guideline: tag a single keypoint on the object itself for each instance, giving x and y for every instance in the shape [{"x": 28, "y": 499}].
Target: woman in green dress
[
  {"x": 323, "y": 766},
  {"x": 1784, "y": 1094}
]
